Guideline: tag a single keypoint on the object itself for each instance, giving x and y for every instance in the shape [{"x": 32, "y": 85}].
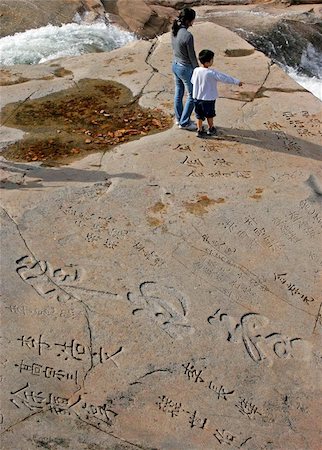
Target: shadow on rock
[
  {"x": 275, "y": 141},
  {"x": 23, "y": 176}
]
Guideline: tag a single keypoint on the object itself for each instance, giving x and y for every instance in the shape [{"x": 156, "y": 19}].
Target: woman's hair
[{"x": 186, "y": 15}]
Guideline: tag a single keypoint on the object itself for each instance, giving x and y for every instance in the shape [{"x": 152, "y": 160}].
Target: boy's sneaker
[
  {"x": 190, "y": 127},
  {"x": 200, "y": 133},
  {"x": 212, "y": 131}
]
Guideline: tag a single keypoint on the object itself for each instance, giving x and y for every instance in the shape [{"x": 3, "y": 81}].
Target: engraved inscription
[
  {"x": 259, "y": 347},
  {"x": 196, "y": 420},
  {"x": 45, "y": 279},
  {"x": 46, "y": 312},
  {"x": 39, "y": 370},
  {"x": 183, "y": 148},
  {"x": 243, "y": 405},
  {"x": 37, "y": 401},
  {"x": 286, "y": 230},
  {"x": 193, "y": 374},
  {"x": 261, "y": 233},
  {"x": 198, "y": 167},
  {"x": 306, "y": 124},
  {"x": 98, "y": 413},
  {"x": 252, "y": 233},
  {"x": 150, "y": 255},
  {"x": 247, "y": 408},
  {"x": 165, "y": 305},
  {"x": 220, "y": 173},
  {"x": 311, "y": 211},
  {"x": 69, "y": 349},
  {"x": 92, "y": 192},
  {"x": 192, "y": 162},
  {"x": 305, "y": 219},
  {"x": 282, "y": 278},
  {"x": 97, "y": 228},
  {"x": 221, "y": 246}
]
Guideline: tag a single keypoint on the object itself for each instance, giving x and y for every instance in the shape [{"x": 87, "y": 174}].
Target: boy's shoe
[
  {"x": 190, "y": 127},
  {"x": 212, "y": 131},
  {"x": 200, "y": 133}
]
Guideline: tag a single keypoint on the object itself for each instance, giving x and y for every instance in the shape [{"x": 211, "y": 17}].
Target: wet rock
[{"x": 18, "y": 16}]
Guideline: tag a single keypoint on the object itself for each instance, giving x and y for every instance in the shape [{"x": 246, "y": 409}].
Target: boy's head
[{"x": 206, "y": 56}]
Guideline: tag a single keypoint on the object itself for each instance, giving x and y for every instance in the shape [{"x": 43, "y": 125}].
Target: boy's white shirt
[{"x": 205, "y": 83}]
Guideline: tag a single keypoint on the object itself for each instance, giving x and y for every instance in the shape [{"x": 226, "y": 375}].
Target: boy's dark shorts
[{"x": 205, "y": 109}]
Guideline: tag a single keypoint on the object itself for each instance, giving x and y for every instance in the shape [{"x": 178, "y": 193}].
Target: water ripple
[{"x": 51, "y": 42}]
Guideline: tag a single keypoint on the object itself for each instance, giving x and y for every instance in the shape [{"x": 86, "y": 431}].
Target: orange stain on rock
[
  {"x": 158, "y": 207},
  {"x": 199, "y": 207},
  {"x": 155, "y": 222},
  {"x": 258, "y": 194}
]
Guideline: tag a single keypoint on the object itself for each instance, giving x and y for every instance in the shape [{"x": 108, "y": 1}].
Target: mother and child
[{"x": 199, "y": 82}]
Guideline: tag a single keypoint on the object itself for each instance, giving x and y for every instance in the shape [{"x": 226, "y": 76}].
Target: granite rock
[{"x": 167, "y": 294}]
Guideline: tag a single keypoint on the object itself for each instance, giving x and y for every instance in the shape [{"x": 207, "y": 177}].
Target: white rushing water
[
  {"x": 313, "y": 85},
  {"x": 50, "y": 42},
  {"x": 275, "y": 41},
  {"x": 311, "y": 59}
]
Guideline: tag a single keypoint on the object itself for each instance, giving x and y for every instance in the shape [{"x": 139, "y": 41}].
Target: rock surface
[
  {"x": 147, "y": 18},
  {"x": 19, "y": 15},
  {"x": 167, "y": 294}
]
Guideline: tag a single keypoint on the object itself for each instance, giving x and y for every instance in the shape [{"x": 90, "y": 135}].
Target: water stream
[
  {"x": 292, "y": 50},
  {"x": 51, "y": 42}
]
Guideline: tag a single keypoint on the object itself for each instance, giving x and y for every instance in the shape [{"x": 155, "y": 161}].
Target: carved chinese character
[
  {"x": 196, "y": 421},
  {"x": 224, "y": 437},
  {"x": 247, "y": 408},
  {"x": 192, "y": 373},
  {"x": 34, "y": 368},
  {"x": 31, "y": 342},
  {"x": 58, "y": 405},
  {"x": 220, "y": 391},
  {"x": 100, "y": 413},
  {"x": 167, "y": 405},
  {"x": 165, "y": 304},
  {"x": 104, "y": 356},
  {"x": 35, "y": 401},
  {"x": 72, "y": 350}
]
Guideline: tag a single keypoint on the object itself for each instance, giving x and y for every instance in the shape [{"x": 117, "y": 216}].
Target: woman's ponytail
[{"x": 186, "y": 15}]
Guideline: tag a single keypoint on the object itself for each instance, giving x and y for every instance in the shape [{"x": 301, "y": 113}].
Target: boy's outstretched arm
[{"x": 225, "y": 78}]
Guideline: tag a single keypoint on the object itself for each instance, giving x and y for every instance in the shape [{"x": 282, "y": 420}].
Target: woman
[{"x": 184, "y": 61}]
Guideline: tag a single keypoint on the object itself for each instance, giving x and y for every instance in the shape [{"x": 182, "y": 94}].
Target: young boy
[{"x": 205, "y": 92}]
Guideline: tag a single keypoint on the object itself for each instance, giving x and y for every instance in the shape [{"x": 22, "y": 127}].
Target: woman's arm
[{"x": 191, "y": 52}]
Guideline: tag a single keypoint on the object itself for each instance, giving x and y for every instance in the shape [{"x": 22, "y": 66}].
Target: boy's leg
[
  {"x": 210, "y": 121},
  {"x": 200, "y": 116},
  {"x": 212, "y": 131},
  {"x": 199, "y": 124},
  {"x": 210, "y": 110}
]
